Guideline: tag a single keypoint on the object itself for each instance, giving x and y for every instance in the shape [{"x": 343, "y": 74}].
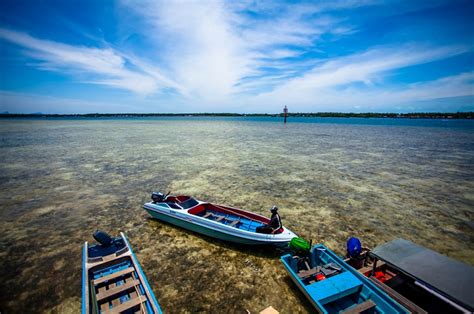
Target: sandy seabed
[{"x": 62, "y": 179}]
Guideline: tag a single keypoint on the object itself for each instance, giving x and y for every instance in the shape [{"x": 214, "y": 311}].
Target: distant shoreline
[{"x": 418, "y": 115}]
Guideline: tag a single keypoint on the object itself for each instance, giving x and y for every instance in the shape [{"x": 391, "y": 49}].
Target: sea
[{"x": 377, "y": 179}]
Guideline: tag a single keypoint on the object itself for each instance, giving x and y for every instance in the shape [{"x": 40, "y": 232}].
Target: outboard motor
[
  {"x": 157, "y": 197},
  {"x": 354, "y": 248},
  {"x": 102, "y": 237}
]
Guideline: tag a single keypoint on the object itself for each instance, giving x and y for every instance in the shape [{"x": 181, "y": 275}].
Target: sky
[{"x": 236, "y": 56}]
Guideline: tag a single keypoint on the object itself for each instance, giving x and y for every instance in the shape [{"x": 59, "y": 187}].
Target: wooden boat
[
  {"x": 332, "y": 286},
  {"x": 222, "y": 222},
  {"x": 112, "y": 279},
  {"x": 420, "y": 279}
]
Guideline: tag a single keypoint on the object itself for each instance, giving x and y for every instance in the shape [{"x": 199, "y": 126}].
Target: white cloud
[
  {"x": 99, "y": 66},
  {"x": 213, "y": 49},
  {"x": 331, "y": 83}
]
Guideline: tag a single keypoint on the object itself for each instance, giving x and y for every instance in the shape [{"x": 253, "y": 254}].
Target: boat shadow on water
[{"x": 266, "y": 251}]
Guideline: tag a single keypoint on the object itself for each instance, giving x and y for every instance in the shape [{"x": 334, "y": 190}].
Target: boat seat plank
[
  {"x": 115, "y": 290},
  {"x": 219, "y": 218},
  {"x": 306, "y": 273},
  {"x": 114, "y": 275},
  {"x": 128, "y": 305},
  {"x": 104, "y": 307},
  {"x": 360, "y": 308},
  {"x": 115, "y": 302},
  {"x": 207, "y": 215},
  {"x": 234, "y": 223}
]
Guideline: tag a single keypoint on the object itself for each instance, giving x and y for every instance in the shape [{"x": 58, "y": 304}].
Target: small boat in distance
[
  {"x": 218, "y": 221},
  {"x": 332, "y": 286},
  {"x": 112, "y": 279}
]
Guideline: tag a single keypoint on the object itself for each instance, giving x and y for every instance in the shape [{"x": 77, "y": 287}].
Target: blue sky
[{"x": 245, "y": 56}]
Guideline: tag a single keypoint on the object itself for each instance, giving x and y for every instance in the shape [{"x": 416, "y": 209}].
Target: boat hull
[{"x": 206, "y": 231}]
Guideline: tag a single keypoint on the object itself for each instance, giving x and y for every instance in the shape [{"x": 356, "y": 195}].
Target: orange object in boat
[
  {"x": 320, "y": 277},
  {"x": 380, "y": 276}
]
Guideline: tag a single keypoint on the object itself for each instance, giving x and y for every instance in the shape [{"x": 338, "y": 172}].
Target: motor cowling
[
  {"x": 157, "y": 197},
  {"x": 354, "y": 247},
  {"x": 102, "y": 237}
]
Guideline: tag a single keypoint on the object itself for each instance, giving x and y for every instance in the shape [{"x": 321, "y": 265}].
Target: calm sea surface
[{"x": 377, "y": 179}]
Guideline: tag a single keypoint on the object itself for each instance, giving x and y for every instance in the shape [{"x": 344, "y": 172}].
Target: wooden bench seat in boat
[
  {"x": 219, "y": 218},
  {"x": 117, "y": 289},
  {"x": 127, "y": 305},
  {"x": 114, "y": 275},
  {"x": 306, "y": 273},
  {"x": 360, "y": 308},
  {"x": 234, "y": 222}
]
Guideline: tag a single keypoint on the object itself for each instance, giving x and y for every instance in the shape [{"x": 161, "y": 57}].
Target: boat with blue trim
[
  {"x": 218, "y": 221},
  {"x": 112, "y": 279},
  {"x": 332, "y": 286}
]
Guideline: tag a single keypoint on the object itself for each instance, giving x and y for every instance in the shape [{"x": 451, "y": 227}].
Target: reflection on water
[{"x": 61, "y": 180}]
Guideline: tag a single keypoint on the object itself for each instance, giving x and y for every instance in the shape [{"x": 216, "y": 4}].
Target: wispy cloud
[
  {"x": 367, "y": 66},
  {"x": 103, "y": 66},
  {"x": 214, "y": 48},
  {"x": 332, "y": 83}
]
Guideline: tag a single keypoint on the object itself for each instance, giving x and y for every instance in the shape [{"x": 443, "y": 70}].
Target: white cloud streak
[
  {"x": 98, "y": 66},
  {"x": 212, "y": 49},
  {"x": 332, "y": 85}
]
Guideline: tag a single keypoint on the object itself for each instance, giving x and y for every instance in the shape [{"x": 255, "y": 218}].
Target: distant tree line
[{"x": 417, "y": 115}]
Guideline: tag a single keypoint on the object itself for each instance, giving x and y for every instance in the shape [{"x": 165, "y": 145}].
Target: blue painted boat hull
[{"x": 343, "y": 290}]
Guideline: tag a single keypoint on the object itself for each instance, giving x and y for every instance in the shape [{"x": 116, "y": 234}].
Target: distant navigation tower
[{"x": 285, "y": 113}]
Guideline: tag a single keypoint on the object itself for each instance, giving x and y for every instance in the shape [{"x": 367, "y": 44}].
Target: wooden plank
[
  {"x": 306, "y": 273},
  {"x": 219, "y": 218},
  {"x": 115, "y": 290},
  {"x": 104, "y": 306},
  {"x": 359, "y": 308},
  {"x": 207, "y": 215},
  {"x": 269, "y": 310},
  {"x": 128, "y": 305},
  {"x": 114, "y": 275},
  {"x": 234, "y": 223}
]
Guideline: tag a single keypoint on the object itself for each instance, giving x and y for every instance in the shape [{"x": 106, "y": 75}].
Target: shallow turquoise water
[{"x": 60, "y": 179}]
